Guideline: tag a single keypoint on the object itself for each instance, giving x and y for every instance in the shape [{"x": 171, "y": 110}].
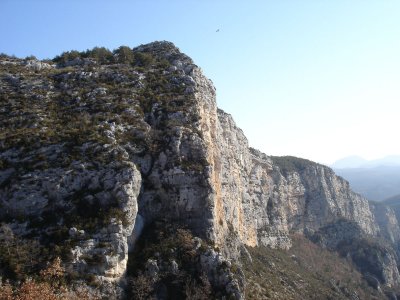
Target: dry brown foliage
[
  {"x": 195, "y": 291},
  {"x": 48, "y": 287},
  {"x": 142, "y": 287},
  {"x": 6, "y": 291},
  {"x": 32, "y": 290},
  {"x": 53, "y": 271}
]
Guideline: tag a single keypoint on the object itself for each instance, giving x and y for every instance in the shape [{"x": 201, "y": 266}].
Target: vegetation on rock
[
  {"x": 289, "y": 164},
  {"x": 166, "y": 264},
  {"x": 306, "y": 271}
]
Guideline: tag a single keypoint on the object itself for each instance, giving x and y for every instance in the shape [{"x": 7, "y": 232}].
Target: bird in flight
[{"x": 217, "y": 30}]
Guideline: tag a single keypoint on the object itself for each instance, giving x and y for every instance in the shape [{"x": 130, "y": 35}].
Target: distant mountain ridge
[
  {"x": 393, "y": 199},
  {"x": 374, "y": 179},
  {"x": 355, "y": 161}
]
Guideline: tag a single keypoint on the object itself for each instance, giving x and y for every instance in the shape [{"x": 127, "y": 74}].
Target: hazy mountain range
[
  {"x": 375, "y": 179},
  {"x": 355, "y": 161}
]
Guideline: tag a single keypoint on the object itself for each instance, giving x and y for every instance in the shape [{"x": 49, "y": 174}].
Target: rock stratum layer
[{"x": 94, "y": 151}]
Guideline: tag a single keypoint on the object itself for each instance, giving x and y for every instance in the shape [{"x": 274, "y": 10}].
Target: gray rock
[
  {"x": 152, "y": 268},
  {"x": 174, "y": 268},
  {"x": 37, "y": 65}
]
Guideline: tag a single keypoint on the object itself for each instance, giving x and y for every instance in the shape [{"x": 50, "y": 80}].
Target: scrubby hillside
[{"x": 306, "y": 271}]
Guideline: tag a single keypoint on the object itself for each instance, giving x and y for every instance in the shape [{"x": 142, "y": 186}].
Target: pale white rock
[
  {"x": 37, "y": 189},
  {"x": 37, "y": 65}
]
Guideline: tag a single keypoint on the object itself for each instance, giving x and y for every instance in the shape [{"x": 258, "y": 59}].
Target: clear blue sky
[{"x": 315, "y": 79}]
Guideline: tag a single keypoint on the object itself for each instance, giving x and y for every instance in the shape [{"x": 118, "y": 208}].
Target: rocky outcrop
[
  {"x": 95, "y": 149},
  {"x": 105, "y": 252},
  {"x": 54, "y": 196}
]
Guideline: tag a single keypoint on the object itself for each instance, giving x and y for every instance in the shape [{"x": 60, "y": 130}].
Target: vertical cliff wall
[{"x": 262, "y": 199}]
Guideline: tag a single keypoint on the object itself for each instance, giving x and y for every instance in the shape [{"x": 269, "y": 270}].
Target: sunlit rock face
[{"x": 96, "y": 151}]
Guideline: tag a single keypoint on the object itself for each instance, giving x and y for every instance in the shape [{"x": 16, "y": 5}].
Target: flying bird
[{"x": 217, "y": 30}]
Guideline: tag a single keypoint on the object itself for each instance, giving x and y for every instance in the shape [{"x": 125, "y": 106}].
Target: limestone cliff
[
  {"x": 97, "y": 147},
  {"x": 265, "y": 199}
]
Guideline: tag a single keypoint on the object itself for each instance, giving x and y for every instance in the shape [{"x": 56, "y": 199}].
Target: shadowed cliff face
[{"x": 92, "y": 153}]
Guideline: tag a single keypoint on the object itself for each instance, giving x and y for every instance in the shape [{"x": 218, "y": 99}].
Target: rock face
[
  {"x": 39, "y": 194},
  {"x": 97, "y": 151}
]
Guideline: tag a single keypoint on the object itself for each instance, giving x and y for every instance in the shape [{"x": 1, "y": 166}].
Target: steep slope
[
  {"x": 97, "y": 147},
  {"x": 306, "y": 271}
]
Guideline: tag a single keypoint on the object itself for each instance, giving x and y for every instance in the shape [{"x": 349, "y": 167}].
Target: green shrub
[
  {"x": 124, "y": 55},
  {"x": 288, "y": 164},
  {"x": 368, "y": 255},
  {"x": 19, "y": 257},
  {"x": 101, "y": 54},
  {"x": 67, "y": 56},
  {"x": 144, "y": 59}
]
